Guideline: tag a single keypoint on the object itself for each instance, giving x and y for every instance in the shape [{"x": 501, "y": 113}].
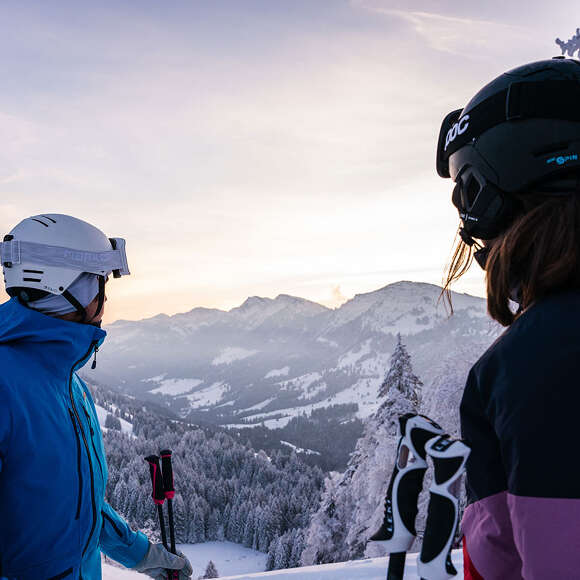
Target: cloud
[
  {"x": 338, "y": 298},
  {"x": 453, "y": 34}
]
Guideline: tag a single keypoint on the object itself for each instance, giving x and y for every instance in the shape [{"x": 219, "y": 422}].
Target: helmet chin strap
[{"x": 481, "y": 252}]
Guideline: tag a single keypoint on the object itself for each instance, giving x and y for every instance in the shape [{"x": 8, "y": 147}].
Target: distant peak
[
  {"x": 292, "y": 299},
  {"x": 253, "y": 301}
]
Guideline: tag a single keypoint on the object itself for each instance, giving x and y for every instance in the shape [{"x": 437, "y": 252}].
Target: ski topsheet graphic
[
  {"x": 449, "y": 457},
  {"x": 397, "y": 531},
  {"x": 419, "y": 437}
]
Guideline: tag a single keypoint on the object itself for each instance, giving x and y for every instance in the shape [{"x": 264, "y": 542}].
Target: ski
[
  {"x": 449, "y": 457},
  {"x": 397, "y": 531}
]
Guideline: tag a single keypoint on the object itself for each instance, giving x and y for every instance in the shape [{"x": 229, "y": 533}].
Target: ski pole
[
  {"x": 449, "y": 457},
  {"x": 167, "y": 472},
  {"x": 158, "y": 494},
  {"x": 397, "y": 531}
]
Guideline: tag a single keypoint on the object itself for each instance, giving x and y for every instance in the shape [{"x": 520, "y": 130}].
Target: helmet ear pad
[{"x": 484, "y": 209}]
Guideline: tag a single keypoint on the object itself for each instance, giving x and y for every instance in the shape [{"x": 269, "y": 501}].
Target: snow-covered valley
[{"x": 270, "y": 360}]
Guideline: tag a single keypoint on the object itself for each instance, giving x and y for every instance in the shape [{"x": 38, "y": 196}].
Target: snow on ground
[
  {"x": 363, "y": 392},
  {"x": 283, "y": 372},
  {"x": 208, "y": 396},
  {"x": 235, "y": 560},
  {"x": 258, "y": 406},
  {"x": 326, "y": 341},
  {"x": 370, "y": 569},
  {"x": 352, "y": 357},
  {"x": 232, "y": 353},
  {"x": 114, "y": 573},
  {"x": 155, "y": 379},
  {"x": 102, "y": 413},
  {"x": 176, "y": 387},
  {"x": 228, "y": 557},
  {"x": 299, "y": 449},
  {"x": 301, "y": 382}
]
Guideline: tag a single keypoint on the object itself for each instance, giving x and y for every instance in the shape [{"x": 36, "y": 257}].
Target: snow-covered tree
[
  {"x": 112, "y": 422},
  {"x": 401, "y": 376},
  {"x": 210, "y": 571},
  {"x": 352, "y": 505}
]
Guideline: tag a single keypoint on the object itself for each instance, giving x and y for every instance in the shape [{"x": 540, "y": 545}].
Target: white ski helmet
[{"x": 45, "y": 254}]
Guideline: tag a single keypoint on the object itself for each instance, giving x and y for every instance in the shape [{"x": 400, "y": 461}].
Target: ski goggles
[
  {"x": 451, "y": 128},
  {"x": 15, "y": 252}
]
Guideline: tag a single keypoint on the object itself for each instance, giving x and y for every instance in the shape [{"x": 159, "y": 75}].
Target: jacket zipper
[
  {"x": 93, "y": 504},
  {"x": 93, "y": 442},
  {"x": 72, "y": 418}
]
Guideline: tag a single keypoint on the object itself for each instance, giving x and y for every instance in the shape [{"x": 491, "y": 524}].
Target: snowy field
[
  {"x": 102, "y": 413},
  {"x": 226, "y": 562},
  {"x": 228, "y": 557}
]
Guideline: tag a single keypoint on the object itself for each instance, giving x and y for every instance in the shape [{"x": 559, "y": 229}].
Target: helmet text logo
[
  {"x": 561, "y": 159},
  {"x": 458, "y": 129}
]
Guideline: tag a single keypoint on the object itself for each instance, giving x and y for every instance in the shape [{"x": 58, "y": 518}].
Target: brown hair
[{"x": 539, "y": 254}]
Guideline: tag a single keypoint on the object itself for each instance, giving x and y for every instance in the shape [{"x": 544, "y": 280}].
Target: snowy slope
[
  {"x": 228, "y": 557},
  {"x": 102, "y": 413},
  {"x": 369, "y": 569}
]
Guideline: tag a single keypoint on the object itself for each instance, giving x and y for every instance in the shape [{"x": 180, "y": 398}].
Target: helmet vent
[
  {"x": 49, "y": 219},
  {"x": 33, "y": 271},
  {"x": 40, "y": 222},
  {"x": 31, "y": 280}
]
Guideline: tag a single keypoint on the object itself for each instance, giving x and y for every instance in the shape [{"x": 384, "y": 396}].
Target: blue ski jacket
[{"x": 54, "y": 521}]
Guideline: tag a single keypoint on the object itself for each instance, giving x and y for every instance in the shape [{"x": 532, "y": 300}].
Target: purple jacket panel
[
  {"x": 489, "y": 538},
  {"x": 546, "y": 532},
  {"x": 504, "y": 532}
]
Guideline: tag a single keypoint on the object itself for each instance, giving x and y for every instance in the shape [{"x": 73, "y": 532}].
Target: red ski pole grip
[
  {"x": 158, "y": 493},
  {"x": 167, "y": 470}
]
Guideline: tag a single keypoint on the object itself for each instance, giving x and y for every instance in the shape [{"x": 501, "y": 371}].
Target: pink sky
[{"x": 251, "y": 148}]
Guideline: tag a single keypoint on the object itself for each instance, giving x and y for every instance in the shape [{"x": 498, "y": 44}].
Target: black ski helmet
[{"x": 520, "y": 130}]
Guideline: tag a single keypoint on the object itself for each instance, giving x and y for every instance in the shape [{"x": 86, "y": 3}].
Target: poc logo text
[{"x": 458, "y": 129}]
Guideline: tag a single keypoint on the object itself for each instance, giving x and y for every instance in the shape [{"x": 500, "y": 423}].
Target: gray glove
[{"x": 158, "y": 560}]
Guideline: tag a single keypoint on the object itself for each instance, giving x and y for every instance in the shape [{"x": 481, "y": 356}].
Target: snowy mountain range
[{"x": 269, "y": 360}]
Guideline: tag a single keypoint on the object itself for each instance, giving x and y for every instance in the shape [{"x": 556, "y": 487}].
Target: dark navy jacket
[
  {"x": 520, "y": 414},
  {"x": 54, "y": 521}
]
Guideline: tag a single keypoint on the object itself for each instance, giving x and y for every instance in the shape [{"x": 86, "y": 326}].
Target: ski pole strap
[
  {"x": 167, "y": 470},
  {"x": 157, "y": 494},
  {"x": 397, "y": 531},
  {"x": 449, "y": 457}
]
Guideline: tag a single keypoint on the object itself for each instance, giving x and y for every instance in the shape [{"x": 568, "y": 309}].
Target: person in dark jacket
[
  {"x": 54, "y": 521},
  {"x": 514, "y": 154}
]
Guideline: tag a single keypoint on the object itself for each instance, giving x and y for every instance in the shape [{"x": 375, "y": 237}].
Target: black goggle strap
[{"x": 521, "y": 100}]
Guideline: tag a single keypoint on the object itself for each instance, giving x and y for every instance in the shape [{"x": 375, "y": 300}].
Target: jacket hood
[{"x": 61, "y": 341}]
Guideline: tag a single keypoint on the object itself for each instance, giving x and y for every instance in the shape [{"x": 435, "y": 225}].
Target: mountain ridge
[{"x": 270, "y": 359}]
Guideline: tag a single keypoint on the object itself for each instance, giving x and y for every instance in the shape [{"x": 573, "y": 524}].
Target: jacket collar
[{"x": 58, "y": 344}]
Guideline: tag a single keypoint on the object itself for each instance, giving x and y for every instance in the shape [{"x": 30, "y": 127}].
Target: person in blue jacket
[{"x": 54, "y": 520}]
